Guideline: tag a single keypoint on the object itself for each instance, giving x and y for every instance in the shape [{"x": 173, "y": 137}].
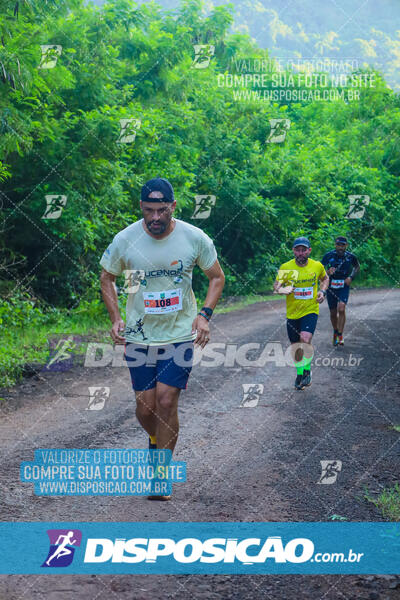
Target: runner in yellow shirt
[{"x": 298, "y": 280}]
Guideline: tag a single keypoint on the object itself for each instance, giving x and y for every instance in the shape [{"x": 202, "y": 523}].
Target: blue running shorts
[
  {"x": 334, "y": 296},
  {"x": 170, "y": 364}
]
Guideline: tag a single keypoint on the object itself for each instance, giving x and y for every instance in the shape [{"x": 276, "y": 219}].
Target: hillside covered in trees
[{"x": 367, "y": 32}]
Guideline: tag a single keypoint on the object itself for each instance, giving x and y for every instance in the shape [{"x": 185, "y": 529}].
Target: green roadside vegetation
[
  {"x": 388, "y": 502},
  {"x": 27, "y": 328}
]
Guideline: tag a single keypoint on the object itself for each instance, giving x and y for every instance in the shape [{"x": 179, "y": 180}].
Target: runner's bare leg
[
  {"x": 167, "y": 427},
  {"x": 334, "y": 318},
  {"x": 146, "y": 410},
  {"x": 342, "y": 316},
  {"x": 296, "y": 350}
]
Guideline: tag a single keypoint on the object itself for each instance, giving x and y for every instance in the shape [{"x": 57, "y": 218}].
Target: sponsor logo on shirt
[
  {"x": 311, "y": 279},
  {"x": 176, "y": 272}
]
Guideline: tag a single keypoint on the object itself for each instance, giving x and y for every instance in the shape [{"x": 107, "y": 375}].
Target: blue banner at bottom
[{"x": 204, "y": 548}]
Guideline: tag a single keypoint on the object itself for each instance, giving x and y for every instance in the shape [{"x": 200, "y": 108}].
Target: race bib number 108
[{"x": 157, "y": 303}]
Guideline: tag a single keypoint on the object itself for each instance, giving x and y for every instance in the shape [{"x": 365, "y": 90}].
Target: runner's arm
[
  {"x": 325, "y": 261},
  {"x": 109, "y": 293},
  {"x": 281, "y": 287},
  {"x": 216, "y": 282},
  {"x": 323, "y": 286},
  {"x": 324, "y": 283},
  {"x": 277, "y": 285},
  {"x": 356, "y": 268}
]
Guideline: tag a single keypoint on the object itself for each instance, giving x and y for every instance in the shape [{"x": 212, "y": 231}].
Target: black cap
[
  {"x": 302, "y": 241},
  {"x": 158, "y": 184},
  {"x": 341, "y": 239}
]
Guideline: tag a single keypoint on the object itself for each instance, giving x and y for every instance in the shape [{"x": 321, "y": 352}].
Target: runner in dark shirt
[{"x": 342, "y": 267}]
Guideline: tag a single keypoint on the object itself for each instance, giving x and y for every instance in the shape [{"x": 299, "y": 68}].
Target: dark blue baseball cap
[
  {"x": 341, "y": 239},
  {"x": 302, "y": 241},
  {"x": 158, "y": 184}
]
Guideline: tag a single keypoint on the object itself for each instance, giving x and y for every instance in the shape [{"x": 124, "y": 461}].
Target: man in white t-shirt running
[{"x": 157, "y": 255}]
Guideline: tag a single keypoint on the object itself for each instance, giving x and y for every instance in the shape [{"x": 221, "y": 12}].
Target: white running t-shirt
[{"x": 161, "y": 305}]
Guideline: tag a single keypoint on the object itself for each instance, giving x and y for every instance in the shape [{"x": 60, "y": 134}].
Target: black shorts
[{"x": 306, "y": 323}]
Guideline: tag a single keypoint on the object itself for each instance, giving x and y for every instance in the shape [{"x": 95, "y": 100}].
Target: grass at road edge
[
  {"x": 236, "y": 303},
  {"x": 388, "y": 502},
  {"x": 26, "y": 344}
]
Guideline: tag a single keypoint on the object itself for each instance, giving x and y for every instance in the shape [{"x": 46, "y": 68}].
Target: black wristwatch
[
  {"x": 206, "y": 312},
  {"x": 324, "y": 292}
]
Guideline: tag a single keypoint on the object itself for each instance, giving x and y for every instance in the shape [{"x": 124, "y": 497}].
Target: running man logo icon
[
  {"x": 128, "y": 131},
  {"x": 133, "y": 279},
  {"x": 62, "y": 547},
  {"x": 357, "y": 206},
  {"x": 50, "y": 54},
  {"x": 203, "y": 207},
  {"x": 251, "y": 394},
  {"x": 279, "y": 129},
  {"x": 202, "y": 55},
  {"x": 97, "y": 397},
  {"x": 329, "y": 471},
  {"x": 137, "y": 329},
  {"x": 55, "y": 205},
  {"x": 61, "y": 356}
]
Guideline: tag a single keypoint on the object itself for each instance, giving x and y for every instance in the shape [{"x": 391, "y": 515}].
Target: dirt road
[{"x": 259, "y": 463}]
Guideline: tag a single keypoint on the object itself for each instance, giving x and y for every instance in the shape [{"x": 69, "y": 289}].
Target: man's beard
[
  {"x": 157, "y": 230},
  {"x": 302, "y": 260}
]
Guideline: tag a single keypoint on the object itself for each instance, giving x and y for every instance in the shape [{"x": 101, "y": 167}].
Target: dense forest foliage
[{"x": 61, "y": 135}]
